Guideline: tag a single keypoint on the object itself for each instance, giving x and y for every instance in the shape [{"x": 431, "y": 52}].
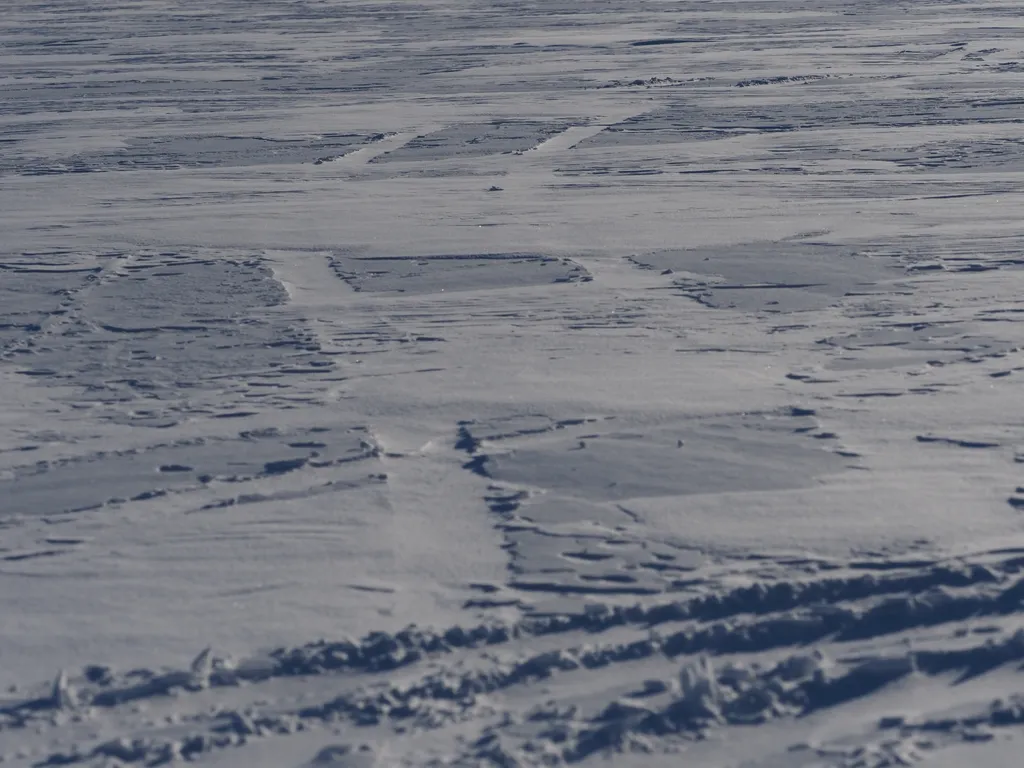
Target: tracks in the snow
[{"x": 743, "y": 656}]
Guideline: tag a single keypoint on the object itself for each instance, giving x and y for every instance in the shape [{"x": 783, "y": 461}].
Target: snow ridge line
[
  {"x": 809, "y": 612},
  {"x": 703, "y": 697}
]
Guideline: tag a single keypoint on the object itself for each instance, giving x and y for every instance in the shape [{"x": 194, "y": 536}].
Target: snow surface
[{"x": 623, "y": 382}]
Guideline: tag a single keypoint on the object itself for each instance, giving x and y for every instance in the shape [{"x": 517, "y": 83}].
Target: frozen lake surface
[{"x": 631, "y": 383}]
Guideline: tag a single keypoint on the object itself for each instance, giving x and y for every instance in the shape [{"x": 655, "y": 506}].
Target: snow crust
[{"x": 455, "y": 382}]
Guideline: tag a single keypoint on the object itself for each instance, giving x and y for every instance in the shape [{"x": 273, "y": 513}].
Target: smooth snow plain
[{"x": 465, "y": 382}]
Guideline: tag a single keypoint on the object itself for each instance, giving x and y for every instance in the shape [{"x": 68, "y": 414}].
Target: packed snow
[{"x": 528, "y": 383}]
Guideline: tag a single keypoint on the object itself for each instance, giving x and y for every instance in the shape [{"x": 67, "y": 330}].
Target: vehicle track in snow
[{"x": 656, "y": 675}]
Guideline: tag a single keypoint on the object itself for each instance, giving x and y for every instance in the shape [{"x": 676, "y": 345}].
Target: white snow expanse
[{"x": 512, "y": 383}]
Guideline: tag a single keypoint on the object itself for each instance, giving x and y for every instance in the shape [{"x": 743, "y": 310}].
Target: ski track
[{"x": 622, "y": 383}]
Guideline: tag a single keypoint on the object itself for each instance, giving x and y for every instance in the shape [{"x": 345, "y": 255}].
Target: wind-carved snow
[
  {"x": 173, "y": 152},
  {"x": 618, "y": 383},
  {"x": 435, "y": 274},
  {"x": 463, "y": 141}
]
